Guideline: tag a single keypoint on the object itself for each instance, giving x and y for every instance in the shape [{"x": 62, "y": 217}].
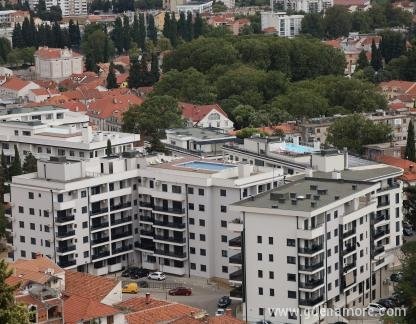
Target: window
[
  {"x": 224, "y": 269},
  {"x": 202, "y": 222},
  {"x": 291, "y": 277},
  {"x": 224, "y": 253},
  {"x": 291, "y": 260},
  {"x": 192, "y": 236},
  {"x": 201, "y": 208},
  {"x": 164, "y": 187},
  {"x": 223, "y": 192},
  {"x": 271, "y": 275},
  {"x": 259, "y": 239},
  {"x": 21, "y": 210},
  {"x": 259, "y": 257},
  {"x": 328, "y": 217},
  {"x": 191, "y": 221},
  {"x": 22, "y": 239},
  {"x": 46, "y": 228},
  {"x": 45, "y": 213},
  {"x": 191, "y": 206},
  {"x": 223, "y": 223},
  {"x": 85, "y": 239},
  {"x": 190, "y": 190},
  {"x": 291, "y": 294},
  {"x": 202, "y": 252},
  {"x": 86, "y": 254},
  {"x": 260, "y": 291},
  {"x": 84, "y": 224},
  {"x": 31, "y": 195},
  {"x": 223, "y": 209},
  {"x": 203, "y": 268},
  {"x": 328, "y": 235},
  {"x": 336, "y": 249},
  {"x": 32, "y": 211},
  {"x": 32, "y": 226},
  {"x": 270, "y": 257},
  {"x": 291, "y": 242},
  {"x": 261, "y": 311},
  {"x": 193, "y": 266},
  {"x": 336, "y": 266},
  {"x": 397, "y": 212},
  {"x": 202, "y": 237},
  {"x": 176, "y": 189},
  {"x": 21, "y": 224},
  {"x": 328, "y": 270},
  {"x": 271, "y": 292},
  {"x": 270, "y": 240},
  {"x": 397, "y": 226},
  {"x": 60, "y": 198},
  {"x": 23, "y": 254},
  {"x": 397, "y": 198},
  {"x": 32, "y": 241},
  {"x": 336, "y": 282},
  {"x": 336, "y": 232},
  {"x": 83, "y": 193},
  {"x": 328, "y": 252},
  {"x": 260, "y": 273},
  {"x": 192, "y": 250},
  {"x": 84, "y": 210},
  {"x": 201, "y": 192},
  {"x": 47, "y": 243}
]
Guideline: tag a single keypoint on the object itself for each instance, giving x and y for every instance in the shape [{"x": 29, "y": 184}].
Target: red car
[{"x": 180, "y": 291}]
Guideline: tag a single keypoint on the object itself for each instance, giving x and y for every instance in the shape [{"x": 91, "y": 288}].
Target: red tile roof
[
  {"x": 88, "y": 286},
  {"x": 196, "y": 113},
  {"x": 40, "y": 92},
  {"x": 15, "y": 84},
  {"x": 122, "y": 78},
  {"x": 53, "y": 53},
  {"x": 409, "y": 167},
  {"x": 159, "y": 314},
  {"x": 336, "y": 43},
  {"x": 225, "y": 319},
  {"x": 397, "y": 105},
  {"x": 138, "y": 304},
  {"x": 402, "y": 86},
  {"x": 113, "y": 105},
  {"x": 348, "y": 3}
]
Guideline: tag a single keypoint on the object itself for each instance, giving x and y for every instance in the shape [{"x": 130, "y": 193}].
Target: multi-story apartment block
[
  {"x": 308, "y": 6},
  {"x": 280, "y": 23},
  {"x": 328, "y": 237},
  {"x": 68, "y": 7},
  {"x": 74, "y": 141}
]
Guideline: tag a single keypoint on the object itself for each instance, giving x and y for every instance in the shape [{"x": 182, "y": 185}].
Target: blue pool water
[
  {"x": 206, "y": 166},
  {"x": 298, "y": 148}
]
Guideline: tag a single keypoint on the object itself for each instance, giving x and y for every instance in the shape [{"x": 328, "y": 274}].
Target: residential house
[
  {"x": 379, "y": 150},
  {"x": 206, "y": 116},
  {"x": 16, "y": 89},
  {"x": 354, "y": 5},
  {"x": 409, "y": 168},
  {"x": 395, "y": 88},
  {"x": 41, "y": 94}
]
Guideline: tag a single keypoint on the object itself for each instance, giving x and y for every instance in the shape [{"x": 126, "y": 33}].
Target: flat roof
[
  {"x": 23, "y": 110},
  {"x": 199, "y": 133},
  {"x": 299, "y": 195},
  {"x": 363, "y": 174}
]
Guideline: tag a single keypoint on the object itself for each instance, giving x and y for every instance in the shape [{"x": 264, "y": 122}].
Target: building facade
[
  {"x": 281, "y": 24},
  {"x": 307, "y": 6}
]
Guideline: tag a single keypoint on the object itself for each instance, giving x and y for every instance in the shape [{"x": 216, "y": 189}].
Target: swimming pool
[
  {"x": 298, "y": 148},
  {"x": 206, "y": 165}
]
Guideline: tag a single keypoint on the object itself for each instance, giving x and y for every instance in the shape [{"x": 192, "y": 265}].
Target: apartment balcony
[
  {"x": 144, "y": 247},
  {"x": 65, "y": 234},
  {"x": 164, "y": 210},
  {"x": 66, "y": 249},
  {"x": 235, "y": 243},
  {"x": 380, "y": 233},
  {"x": 122, "y": 249},
  {"x": 236, "y": 260},
  {"x": 311, "y": 267},
  {"x": 235, "y": 225},
  {"x": 311, "y": 302},
  {"x": 121, "y": 221},
  {"x": 349, "y": 248},
  {"x": 236, "y": 276},
  {"x": 389, "y": 187},
  {"x": 9, "y": 239},
  {"x": 146, "y": 219},
  {"x": 121, "y": 235},
  {"x": 170, "y": 239},
  {"x": 237, "y": 293},
  {"x": 146, "y": 205},
  {"x": 380, "y": 218},
  {"x": 9, "y": 225},
  {"x": 350, "y": 266},
  {"x": 147, "y": 233},
  {"x": 378, "y": 250},
  {"x": 8, "y": 211},
  {"x": 100, "y": 240},
  {"x": 311, "y": 250},
  {"x": 98, "y": 226},
  {"x": 101, "y": 254},
  {"x": 64, "y": 219},
  {"x": 311, "y": 285},
  {"x": 67, "y": 263},
  {"x": 181, "y": 256},
  {"x": 383, "y": 204},
  {"x": 349, "y": 233},
  {"x": 99, "y": 211},
  {"x": 169, "y": 225},
  {"x": 311, "y": 233},
  {"x": 120, "y": 206}
]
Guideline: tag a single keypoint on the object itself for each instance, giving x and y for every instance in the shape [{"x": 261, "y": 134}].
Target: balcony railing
[
  {"x": 98, "y": 211},
  {"x": 63, "y": 249},
  {"x": 66, "y": 234},
  {"x": 349, "y": 248},
  {"x": 169, "y": 210},
  {"x": 101, "y": 254},
  {"x": 383, "y": 203},
  {"x": 146, "y": 219},
  {"x": 381, "y": 233},
  {"x": 311, "y": 250},
  {"x": 236, "y": 259},
  {"x": 236, "y": 292},
  {"x": 349, "y": 233},
  {"x": 350, "y": 266},
  {"x": 146, "y": 204},
  {"x": 311, "y": 301},
  {"x": 311, "y": 267},
  {"x": 171, "y": 253},
  {"x": 170, "y": 239},
  {"x": 144, "y": 246},
  {"x": 100, "y": 240},
  {"x": 120, "y": 206},
  {"x": 169, "y": 224},
  {"x": 99, "y": 225},
  {"x": 120, "y": 235},
  {"x": 378, "y": 250},
  {"x": 67, "y": 263},
  {"x": 122, "y": 249},
  {"x": 380, "y": 218},
  {"x": 237, "y": 275},
  {"x": 235, "y": 242},
  {"x": 121, "y": 220},
  {"x": 311, "y": 284},
  {"x": 147, "y": 233},
  {"x": 64, "y": 219}
]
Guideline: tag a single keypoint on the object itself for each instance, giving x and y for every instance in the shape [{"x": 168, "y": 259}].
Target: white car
[
  {"x": 156, "y": 276},
  {"x": 374, "y": 308},
  {"x": 220, "y": 312}
]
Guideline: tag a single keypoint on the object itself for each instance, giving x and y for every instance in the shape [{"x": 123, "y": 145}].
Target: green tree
[
  {"x": 117, "y": 35},
  {"x": 111, "y": 77},
  {"x": 219, "y": 6},
  {"x": 126, "y": 33},
  {"x": 245, "y": 116},
  {"x": 135, "y": 30},
  {"x": 392, "y": 45},
  {"x": 154, "y": 68},
  {"x": 189, "y": 27},
  {"x": 74, "y": 34},
  {"x": 313, "y": 24},
  {"x": 362, "y": 61},
  {"x": 182, "y": 25},
  {"x": 30, "y": 164},
  {"x": 152, "y": 118},
  {"x": 355, "y": 131},
  {"x": 410, "y": 151},
  {"x": 10, "y": 312},
  {"x": 109, "y": 149},
  {"x": 142, "y": 33},
  {"x": 5, "y": 49},
  {"x": 248, "y": 132},
  {"x": 337, "y": 22},
  {"x": 151, "y": 28},
  {"x": 17, "y": 37},
  {"x": 167, "y": 25},
  {"x": 41, "y": 6},
  {"x": 376, "y": 58},
  {"x": 97, "y": 47},
  {"x": 134, "y": 78},
  {"x": 16, "y": 166},
  {"x": 198, "y": 25}
]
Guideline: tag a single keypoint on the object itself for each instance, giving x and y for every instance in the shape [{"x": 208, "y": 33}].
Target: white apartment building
[
  {"x": 75, "y": 141},
  {"x": 195, "y": 7},
  {"x": 57, "y": 63},
  {"x": 281, "y": 24},
  {"x": 307, "y": 6},
  {"x": 74, "y": 7},
  {"x": 14, "y": 89},
  {"x": 322, "y": 241}
]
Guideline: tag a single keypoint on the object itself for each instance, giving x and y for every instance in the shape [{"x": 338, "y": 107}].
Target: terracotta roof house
[
  {"x": 206, "y": 116},
  {"x": 16, "y": 89},
  {"x": 409, "y": 167},
  {"x": 394, "y": 88}
]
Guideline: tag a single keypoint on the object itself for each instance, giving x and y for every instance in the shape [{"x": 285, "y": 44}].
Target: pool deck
[{"x": 176, "y": 165}]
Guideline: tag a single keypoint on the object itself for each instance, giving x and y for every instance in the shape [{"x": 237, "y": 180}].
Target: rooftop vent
[{"x": 314, "y": 187}]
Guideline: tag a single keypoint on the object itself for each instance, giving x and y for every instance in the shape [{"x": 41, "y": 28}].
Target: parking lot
[{"x": 204, "y": 294}]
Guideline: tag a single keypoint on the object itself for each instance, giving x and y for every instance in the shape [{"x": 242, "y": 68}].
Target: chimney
[
  {"x": 229, "y": 312},
  {"x": 147, "y": 298},
  {"x": 345, "y": 158}
]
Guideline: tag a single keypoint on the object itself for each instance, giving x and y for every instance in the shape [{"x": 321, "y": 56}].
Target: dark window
[
  {"x": 223, "y": 209},
  {"x": 270, "y": 240},
  {"x": 22, "y": 239},
  {"x": 223, "y": 223},
  {"x": 85, "y": 239},
  {"x": 201, "y": 208},
  {"x": 202, "y": 237},
  {"x": 260, "y": 273},
  {"x": 260, "y": 291},
  {"x": 224, "y": 269},
  {"x": 271, "y": 275},
  {"x": 223, "y": 192},
  {"x": 259, "y": 257},
  {"x": 193, "y": 266},
  {"x": 192, "y": 236},
  {"x": 84, "y": 224},
  {"x": 224, "y": 238},
  {"x": 32, "y": 211},
  {"x": 31, "y": 195},
  {"x": 21, "y": 224},
  {"x": 203, "y": 268},
  {"x": 192, "y": 250},
  {"x": 176, "y": 189},
  {"x": 291, "y": 242},
  {"x": 32, "y": 241},
  {"x": 224, "y": 253},
  {"x": 201, "y": 192},
  {"x": 271, "y": 293},
  {"x": 202, "y": 222},
  {"x": 202, "y": 252},
  {"x": 291, "y": 277},
  {"x": 21, "y": 210},
  {"x": 164, "y": 187},
  {"x": 86, "y": 254},
  {"x": 271, "y": 257},
  {"x": 259, "y": 239},
  {"x": 291, "y": 294},
  {"x": 191, "y": 206},
  {"x": 84, "y": 210},
  {"x": 190, "y": 190},
  {"x": 191, "y": 221},
  {"x": 291, "y": 260},
  {"x": 32, "y": 226}
]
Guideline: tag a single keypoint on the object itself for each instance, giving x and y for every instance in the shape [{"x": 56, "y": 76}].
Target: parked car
[
  {"x": 396, "y": 277},
  {"x": 130, "y": 288},
  {"x": 128, "y": 271},
  {"x": 220, "y": 312},
  {"x": 156, "y": 276},
  {"x": 138, "y": 273},
  {"x": 407, "y": 232},
  {"x": 386, "y": 302},
  {"x": 375, "y": 308},
  {"x": 143, "y": 284},
  {"x": 397, "y": 299},
  {"x": 180, "y": 291},
  {"x": 224, "y": 302}
]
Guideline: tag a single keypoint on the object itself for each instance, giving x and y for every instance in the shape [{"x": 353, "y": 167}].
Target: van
[{"x": 130, "y": 288}]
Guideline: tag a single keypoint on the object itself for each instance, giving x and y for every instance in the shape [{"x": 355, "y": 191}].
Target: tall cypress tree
[
  {"x": 33, "y": 32},
  {"x": 376, "y": 58},
  {"x": 16, "y": 167},
  {"x": 198, "y": 25},
  {"x": 362, "y": 61},
  {"x": 111, "y": 77},
  {"x": 410, "y": 151},
  {"x": 142, "y": 32},
  {"x": 189, "y": 27},
  {"x": 57, "y": 35},
  {"x": 73, "y": 36},
  {"x": 135, "y": 30},
  {"x": 117, "y": 35},
  {"x": 182, "y": 25},
  {"x": 151, "y": 28},
  {"x": 166, "y": 25},
  {"x": 173, "y": 31},
  {"x": 17, "y": 37},
  {"x": 154, "y": 69},
  {"x": 134, "y": 73},
  {"x": 26, "y": 33},
  {"x": 126, "y": 33},
  {"x": 30, "y": 164}
]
